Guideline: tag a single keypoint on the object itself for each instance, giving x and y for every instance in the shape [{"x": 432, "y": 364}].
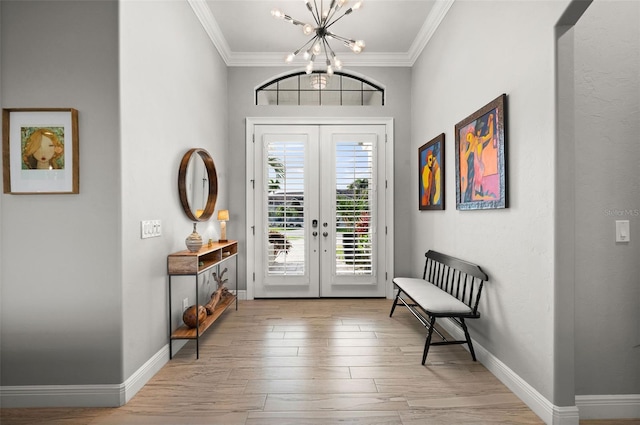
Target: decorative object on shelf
[
  {"x": 220, "y": 293},
  {"x": 223, "y": 217},
  {"x": 189, "y": 316},
  {"x": 481, "y": 181},
  {"x": 318, "y": 45},
  {"x": 431, "y": 174},
  {"x": 194, "y": 240},
  {"x": 40, "y": 151}
]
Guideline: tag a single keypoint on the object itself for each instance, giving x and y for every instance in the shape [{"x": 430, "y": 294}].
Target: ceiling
[{"x": 245, "y": 33}]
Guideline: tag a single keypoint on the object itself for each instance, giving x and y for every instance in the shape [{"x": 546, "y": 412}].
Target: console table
[{"x": 187, "y": 263}]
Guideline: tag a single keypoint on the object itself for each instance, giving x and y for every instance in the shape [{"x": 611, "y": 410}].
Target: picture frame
[
  {"x": 481, "y": 173},
  {"x": 431, "y": 177},
  {"x": 40, "y": 151}
]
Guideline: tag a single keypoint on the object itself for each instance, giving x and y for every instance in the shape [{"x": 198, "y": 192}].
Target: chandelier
[{"x": 318, "y": 47}]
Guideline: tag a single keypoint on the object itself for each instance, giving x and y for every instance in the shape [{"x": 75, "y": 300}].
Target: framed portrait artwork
[
  {"x": 40, "y": 151},
  {"x": 431, "y": 174},
  {"x": 481, "y": 176}
]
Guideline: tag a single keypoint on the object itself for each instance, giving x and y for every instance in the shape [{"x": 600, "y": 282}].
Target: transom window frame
[{"x": 372, "y": 88}]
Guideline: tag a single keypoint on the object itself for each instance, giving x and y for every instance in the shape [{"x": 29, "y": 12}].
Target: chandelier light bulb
[
  {"x": 277, "y": 13},
  {"x": 306, "y": 55},
  {"x": 342, "y": 2},
  {"x": 357, "y": 5},
  {"x": 329, "y": 70},
  {"x": 290, "y": 57},
  {"x": 309, "y": 68},
  {"x": 337, "y": 63},
  {"x": 308, "y": 29},
  {"x": 316, "y": 49}
]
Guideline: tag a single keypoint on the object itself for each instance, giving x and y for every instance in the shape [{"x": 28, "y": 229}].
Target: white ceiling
[{"x": 245, "y": 33}]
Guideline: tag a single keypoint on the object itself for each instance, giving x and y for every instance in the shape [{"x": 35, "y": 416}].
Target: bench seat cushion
[{"x": 430, "y": 297}]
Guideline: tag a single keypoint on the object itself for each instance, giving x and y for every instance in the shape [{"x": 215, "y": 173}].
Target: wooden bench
[{"x": 449, "y": 287}]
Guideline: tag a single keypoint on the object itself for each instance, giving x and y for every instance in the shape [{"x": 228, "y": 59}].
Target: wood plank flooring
[{"x": 309, "y": 362}]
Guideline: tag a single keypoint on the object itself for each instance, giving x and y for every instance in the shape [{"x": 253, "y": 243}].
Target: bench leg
[
  {"x": 395, "y": 302},
  {"x": 428, "y": 342},
  {"x": 466, "y": 335}
]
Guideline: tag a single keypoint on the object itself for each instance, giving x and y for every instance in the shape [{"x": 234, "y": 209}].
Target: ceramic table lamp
[{"x": 223, "y": 217}]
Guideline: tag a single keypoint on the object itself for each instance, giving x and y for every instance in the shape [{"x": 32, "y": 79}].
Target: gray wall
[
  {"x": 61, "y": 274},
  {"x": 607, "y": 182},
  {"x": 478, "y": 53},
  {"x": 174, "y": 97},
  {"x": 84, "y": 299},
  {"x": 242, "y": 83}
]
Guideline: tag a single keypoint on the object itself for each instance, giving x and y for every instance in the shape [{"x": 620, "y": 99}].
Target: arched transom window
[{"x": 320, "y": 89}]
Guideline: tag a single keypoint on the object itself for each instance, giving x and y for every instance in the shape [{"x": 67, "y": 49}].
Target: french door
[{"x": 319, "y": 211}]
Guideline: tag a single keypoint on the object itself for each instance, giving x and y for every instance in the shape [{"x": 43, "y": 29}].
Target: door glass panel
[
  {"x": 285, "y": 183},
  {"x": 354, "y": 198}
]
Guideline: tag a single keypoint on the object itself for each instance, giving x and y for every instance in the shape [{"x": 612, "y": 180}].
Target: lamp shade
[{"x": 223, "y": 215}]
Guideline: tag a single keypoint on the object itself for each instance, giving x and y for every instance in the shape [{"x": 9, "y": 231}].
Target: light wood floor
[{"x": 308, "y": 362}]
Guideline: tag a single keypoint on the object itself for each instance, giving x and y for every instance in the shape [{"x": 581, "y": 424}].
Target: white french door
[{"x": 319, "y": 211}]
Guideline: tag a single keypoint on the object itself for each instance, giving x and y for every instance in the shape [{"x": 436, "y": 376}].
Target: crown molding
[
  {"x": 277, "y": 59},
  {"x": 431, "y": 24},
  {"x": 406, "y": 59},
  {"x": 210, "y": 25}
]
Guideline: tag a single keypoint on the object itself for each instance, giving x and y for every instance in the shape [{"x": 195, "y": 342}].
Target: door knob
[
  {"x": 325, "y": 234},
  {"x": 315, "y": 234}
]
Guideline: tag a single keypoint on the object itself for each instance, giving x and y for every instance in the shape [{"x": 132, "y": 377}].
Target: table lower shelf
[{"x": 184, "y": 332}]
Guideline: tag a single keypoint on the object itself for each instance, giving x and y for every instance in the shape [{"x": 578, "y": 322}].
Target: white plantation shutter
[
  {"x": 354, "y": 199},
  {"x": 284, "y": 188}
]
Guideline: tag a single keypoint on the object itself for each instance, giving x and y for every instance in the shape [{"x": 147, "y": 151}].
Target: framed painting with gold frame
[{"x": 40, "y": 151}]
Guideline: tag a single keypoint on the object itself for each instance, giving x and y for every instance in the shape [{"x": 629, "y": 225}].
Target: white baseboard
[
  {"x": 140, "y": 377},
  {"x": 107, "y": 395},
  {"x": 623, "y": 406},
  {"x": 242, "y": 294},
  {"x": 547, "y": 411}
]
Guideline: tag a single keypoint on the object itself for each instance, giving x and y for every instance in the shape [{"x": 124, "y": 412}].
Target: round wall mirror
[{"x": 198, "y": 184}]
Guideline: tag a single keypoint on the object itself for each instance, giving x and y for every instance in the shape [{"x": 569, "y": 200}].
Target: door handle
[
  {"x": 315, "y": 234},
  {"x": 314, "y": 223},
  {"x": 325, "y": 234}
]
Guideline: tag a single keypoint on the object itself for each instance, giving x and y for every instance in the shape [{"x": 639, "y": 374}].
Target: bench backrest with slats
[{"x": 459, "y": 278}]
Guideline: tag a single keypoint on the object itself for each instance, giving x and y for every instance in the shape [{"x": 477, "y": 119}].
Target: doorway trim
[{"x": 251, "y": 122}]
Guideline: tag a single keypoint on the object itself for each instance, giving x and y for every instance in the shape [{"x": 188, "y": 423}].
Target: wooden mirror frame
[{"x": 213, "y": 184}]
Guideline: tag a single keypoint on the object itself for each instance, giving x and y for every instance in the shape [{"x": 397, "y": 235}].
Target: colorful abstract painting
[
  {"x": 431, "y": 174},
  {"x": 480, "y": 158}
]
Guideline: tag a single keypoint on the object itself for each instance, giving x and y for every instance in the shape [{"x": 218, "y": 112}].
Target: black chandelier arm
[
  {"x": 333, "y": 11},
  {"x": 293, "y": 21},
  {"x": 327, "y": 49},
  {"x": 315, "y": 12},
  {"x": 310, "y": 41},
  {"x": 340, "y": 38},
  {"x": 348, "y": 11}
]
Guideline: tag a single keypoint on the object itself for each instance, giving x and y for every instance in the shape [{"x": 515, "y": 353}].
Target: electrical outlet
[{"x": 185, "y": 304}]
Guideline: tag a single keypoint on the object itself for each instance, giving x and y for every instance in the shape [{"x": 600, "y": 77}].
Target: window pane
[
  {"x": 310, "y": 97},
  {"x": 289, "y": 83},
  {"x": 303, "y": 89},
  {"x": 330, "y": 98},
  {"x": 351, "y": 84}
]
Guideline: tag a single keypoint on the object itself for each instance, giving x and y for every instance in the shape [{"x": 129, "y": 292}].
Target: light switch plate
[
  {"x": 150, "y": 229},
  {"x": 622, "y": 231}
]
